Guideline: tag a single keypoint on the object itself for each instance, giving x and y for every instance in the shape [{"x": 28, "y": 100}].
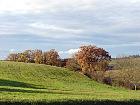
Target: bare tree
[{"x": 12, "y": 57}]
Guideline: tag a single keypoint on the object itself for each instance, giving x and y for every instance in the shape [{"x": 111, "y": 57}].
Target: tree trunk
[{"x": 135, "y": 87}]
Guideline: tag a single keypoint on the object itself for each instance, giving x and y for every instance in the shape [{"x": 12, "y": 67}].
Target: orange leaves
[
  {"x": 51, "y": 57},
  {"x": 89, "y": 57},
  {"x": 36, "y": 56}
]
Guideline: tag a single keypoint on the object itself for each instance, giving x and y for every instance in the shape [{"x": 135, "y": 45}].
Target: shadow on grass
[
  {"x": 78, "y": 102},
  {"x": 40, "y": 91},
  {"x": 11, "y": 83}
]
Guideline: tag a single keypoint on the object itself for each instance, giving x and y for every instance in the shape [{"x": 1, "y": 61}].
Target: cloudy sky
[{"x": 67, "y": 24}]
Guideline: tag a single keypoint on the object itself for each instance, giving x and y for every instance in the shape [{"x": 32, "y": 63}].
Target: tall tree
[
  {"x": 30, "y": 56},
  {"x": 21, "y": 57},
  {"x": 92, "y": 59},
  {"x": 38, "y": 56},
  {"x": 51, "y": 57}
]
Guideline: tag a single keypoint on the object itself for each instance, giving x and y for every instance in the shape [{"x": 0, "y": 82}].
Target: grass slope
[{"x": 20, "y": 82}]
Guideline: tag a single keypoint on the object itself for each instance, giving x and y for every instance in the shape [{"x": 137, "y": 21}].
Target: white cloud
[
  {"x": 58, "y": 31},
  {"x": 37, "y": 6},
  {"x": 12, "y": 50},
  {"x": 54, "y": 5},
  {"x": 134, "y": 1},
  {"x": 20, "y": 6},
  {"x": 72, "y": 51},
  {"x": 55, "y": 28},
  {"x": 69, "y": 52}
]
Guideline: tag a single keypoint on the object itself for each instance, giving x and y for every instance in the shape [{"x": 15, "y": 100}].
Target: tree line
[
  {"x": 89, "y": 59},
  {"x": 36, "y": 56}
]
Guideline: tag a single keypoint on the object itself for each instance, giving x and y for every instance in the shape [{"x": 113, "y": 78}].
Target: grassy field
[{"x": 28, "y": 84}]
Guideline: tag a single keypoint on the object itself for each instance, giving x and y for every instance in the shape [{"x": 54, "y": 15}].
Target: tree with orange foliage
[
  {"x": 51, "y": 57},
  {"x": 38, "y": 56},
  {"x": 92, "y": 59}
]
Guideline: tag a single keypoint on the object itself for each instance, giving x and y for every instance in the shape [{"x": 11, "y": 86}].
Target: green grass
[{"x": 31, "y": 83}]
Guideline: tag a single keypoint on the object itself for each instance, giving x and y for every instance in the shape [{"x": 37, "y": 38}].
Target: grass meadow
[{"x": 34, "y": 84}]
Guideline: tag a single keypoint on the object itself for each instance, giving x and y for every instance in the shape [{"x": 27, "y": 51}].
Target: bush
[{"x": 72, "y": 64}]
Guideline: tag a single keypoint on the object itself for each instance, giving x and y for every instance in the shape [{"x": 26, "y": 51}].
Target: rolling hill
[{"x": 32, "y": 83}]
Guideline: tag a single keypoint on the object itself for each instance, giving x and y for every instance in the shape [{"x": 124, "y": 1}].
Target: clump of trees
[{"x": 36, "y": 56}]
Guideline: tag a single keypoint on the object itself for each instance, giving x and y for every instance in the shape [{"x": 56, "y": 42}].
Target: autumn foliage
[
  {"x": 93, "y": 60},
  {"x": 36, "y": 56},
  {"x": 90, "y": 60},
  {"x": 51, "y": 57}
]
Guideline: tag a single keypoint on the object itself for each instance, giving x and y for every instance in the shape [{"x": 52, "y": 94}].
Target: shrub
[{"x": 72, "y": 64}]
